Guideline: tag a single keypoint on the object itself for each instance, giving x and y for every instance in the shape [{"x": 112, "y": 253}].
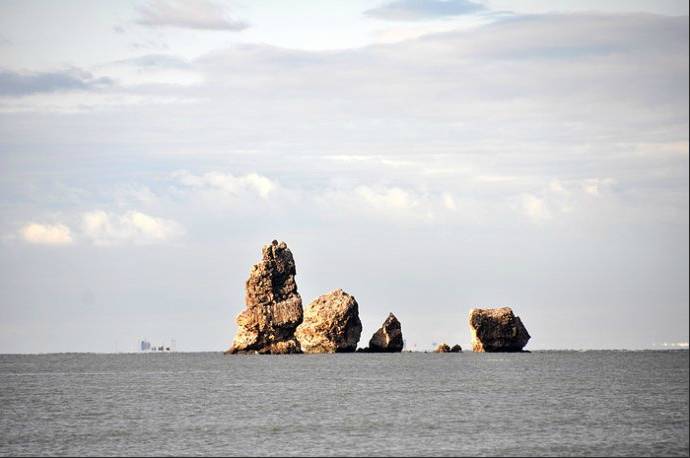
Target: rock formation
[
  {"x": 331, "y": 324},
  {"x": 442, "y": 348},
  {"x": 456, "y": 349},
  {"x": 388, "y": 339},
  {"x": 274, "y": 307},
  {"x": 497, "y": 330}
]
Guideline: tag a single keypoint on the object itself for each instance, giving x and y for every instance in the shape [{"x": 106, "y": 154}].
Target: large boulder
[
  {"x": 331, "y": 324},
  {"x": 497, "y": 330},
  {"x": 388, "y": 339},
  {"x": 274, "y": 307}
]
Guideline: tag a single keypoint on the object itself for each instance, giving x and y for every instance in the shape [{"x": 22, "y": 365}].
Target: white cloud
[
  {"x": 152, "y": 69},
  {"x": 594, "y": 186},
  {"x": 228, "y": 183},
  {"x": 372, "y": 159},
  {"x": 46, "y": 234},
  {"x": 534, "y": 208},
  {"x": 199, "y": 14},
  {"x": 262, "y": 185},
  {"x": 449, "y": 202},
  {"x": 557, "y": 187},
  {"x": 386, "y": 198},
  {"x": 104, "y": 228}
]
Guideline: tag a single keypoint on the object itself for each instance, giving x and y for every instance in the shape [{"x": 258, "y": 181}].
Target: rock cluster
[
  {"x": 388, "y": 339},
  {"x": 445, "y": 348},
  {"x": 273, "y": 305},
  {"x": 442, "y": 348},
  {"x": 331, "y": 324},
  {"x": 497, "y": 330},
  {"x": 273, "y": 321}
]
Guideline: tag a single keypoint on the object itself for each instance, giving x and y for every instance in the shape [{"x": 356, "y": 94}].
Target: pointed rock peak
[
  {"x": 391, "y": 319},
  {"x": 273, "y": 305},
  {"x": 388, "y": 339}
]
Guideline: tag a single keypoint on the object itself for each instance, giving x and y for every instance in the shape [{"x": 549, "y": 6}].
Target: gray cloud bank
[
  {"x": 199, "y": 15},
  {"x": 19, "y": 84},
  {"x": 415, "y": 10}
]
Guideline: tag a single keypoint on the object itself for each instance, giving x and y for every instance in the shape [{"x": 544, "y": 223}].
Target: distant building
[{"x": 146, "y": 346}]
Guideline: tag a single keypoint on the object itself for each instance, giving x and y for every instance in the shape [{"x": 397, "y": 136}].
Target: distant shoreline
[{"x": 621, "y": 350}]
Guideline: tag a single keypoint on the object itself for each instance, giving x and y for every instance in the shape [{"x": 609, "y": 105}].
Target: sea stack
[
  {"x": 331, "y": 324},
  {"x": 274, "y": 307},
  {"x": 497, "y": 330},
  {"x": 388, "y": 339}
]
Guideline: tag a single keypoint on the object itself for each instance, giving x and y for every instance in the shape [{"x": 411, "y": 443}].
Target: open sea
[{"x": 541, "y": 403}]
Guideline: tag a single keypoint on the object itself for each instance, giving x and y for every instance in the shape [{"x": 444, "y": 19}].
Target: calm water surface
[{"x": 543, "y": 403}]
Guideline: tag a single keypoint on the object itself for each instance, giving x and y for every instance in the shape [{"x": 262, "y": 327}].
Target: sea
[{"x": 604, "y": 403}]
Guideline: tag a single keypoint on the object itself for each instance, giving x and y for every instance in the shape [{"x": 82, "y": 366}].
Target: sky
[{"x": 426, "y": 156}]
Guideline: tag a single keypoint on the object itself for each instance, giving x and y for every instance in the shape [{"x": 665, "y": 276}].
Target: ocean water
[{"x": 543, "y": 403}]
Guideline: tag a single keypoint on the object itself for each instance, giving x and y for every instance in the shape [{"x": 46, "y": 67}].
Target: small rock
[
  {"x": 442, "y": 348},
  {"x": 388, "y": 339},
  {"x": 456, "y": 349}
]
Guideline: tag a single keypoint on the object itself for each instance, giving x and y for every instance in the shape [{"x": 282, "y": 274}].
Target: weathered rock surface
[
  {"x": 274, "y": 307},
  {"x": 442, "y": 348},
  {"x": 388, "y": 339},
  {"x": 456, "y": 349},
  {"x": 331, "y": 324},
  {"x": 497, "y": 330}
]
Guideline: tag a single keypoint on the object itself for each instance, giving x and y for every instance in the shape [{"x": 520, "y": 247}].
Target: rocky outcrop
[
  {"x": 388, "y": 339},
  {"x": 274, "y": 307},
  {"x": 456, "y": 349},
  {"x": 497, "y": 330},
  {"x": 442, "y": 348},
  {"x": 331, "y": 324}
]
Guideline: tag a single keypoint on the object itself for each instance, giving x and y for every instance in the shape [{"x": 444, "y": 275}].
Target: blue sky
[{"x": 426, "y": 156}]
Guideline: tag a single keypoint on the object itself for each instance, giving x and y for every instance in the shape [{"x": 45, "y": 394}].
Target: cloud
[
  {"x": 416, "y": 10},
  {"x": 156, "y": 61},
  {"x": 19, "y": 84},
  {"x": 152, "y": 70},
  {"x": 228, "y": 183},
  {"x": 594, "y": 186},
  {"x": 535, "y": 208},
  {"x": 449, "y": 202},
  {"x": 199, "y": 15},
  {"x": 46, "y": 234},
  {"x": 130, "y": 195},
  {"x": 386, "y": 198},
  {"x": 104, "y": 228}
]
